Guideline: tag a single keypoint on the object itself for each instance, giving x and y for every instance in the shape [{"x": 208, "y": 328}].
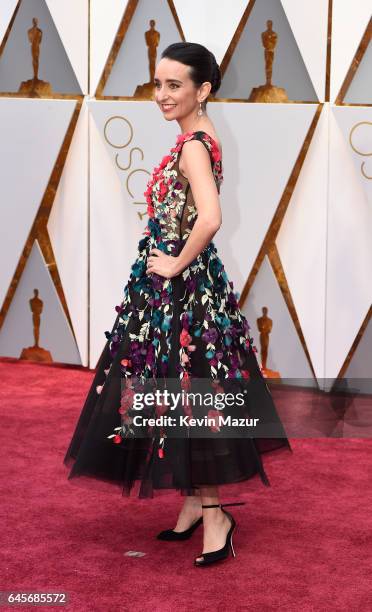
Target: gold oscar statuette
[
  {"x": 152, "y": 38},
  {"x": 35, "y": 88},
  {"x": 36, "y": 353},
  {"x": 265, "y": 325},
  {"x": 268, "y": 92}
]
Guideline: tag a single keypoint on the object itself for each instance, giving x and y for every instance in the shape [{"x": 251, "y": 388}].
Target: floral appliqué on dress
[{"x": 210, "y": 312}]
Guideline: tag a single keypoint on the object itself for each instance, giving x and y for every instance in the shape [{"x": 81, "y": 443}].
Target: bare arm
[{"x": 197, "y": 167}]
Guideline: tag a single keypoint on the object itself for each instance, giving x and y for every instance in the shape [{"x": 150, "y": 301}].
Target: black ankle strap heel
[
  {"x": 177, "y": 536},
  {"x": 222, "y": 553},
  {"x": 223, "y": 505}
]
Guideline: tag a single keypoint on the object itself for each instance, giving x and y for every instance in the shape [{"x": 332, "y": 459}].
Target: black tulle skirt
[{"x": 188, "y": 462}]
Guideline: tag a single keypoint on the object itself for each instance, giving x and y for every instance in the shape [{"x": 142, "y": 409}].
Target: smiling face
[{"x": 175, "y": 92}]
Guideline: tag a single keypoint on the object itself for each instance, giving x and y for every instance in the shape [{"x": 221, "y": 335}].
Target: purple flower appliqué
[
  {"x": 191, "y": 284},
  {"x": 232, "y": 299},
  {"x": 185, "y": 320},
  {"x": 235, "y": 361},
  {"x": 150, "y": 355},
  {"x": 210, "y": 335},
  {"x": 157, "y": 281}
]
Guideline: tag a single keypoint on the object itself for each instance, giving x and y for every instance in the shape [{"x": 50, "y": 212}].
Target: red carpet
[{"x": 304, "y": 544}]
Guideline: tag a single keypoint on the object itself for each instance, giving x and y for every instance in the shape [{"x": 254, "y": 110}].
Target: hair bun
[
  {"x": 215, "y": 75},
  {"x": 202, "y": 63}
]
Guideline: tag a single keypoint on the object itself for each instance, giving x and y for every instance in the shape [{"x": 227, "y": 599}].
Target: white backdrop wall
[{"x": 311, "y": 155}]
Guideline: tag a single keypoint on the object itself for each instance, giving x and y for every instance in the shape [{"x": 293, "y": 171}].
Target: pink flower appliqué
[
  {"x": 186, "y": 382},
  {"x": 182, "y": 137},
  {"x": 185, "y": 338},
  {"x": 215, "y": 151}
]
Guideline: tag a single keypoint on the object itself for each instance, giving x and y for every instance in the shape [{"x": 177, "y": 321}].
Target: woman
[{"x": 179, "y": 328}]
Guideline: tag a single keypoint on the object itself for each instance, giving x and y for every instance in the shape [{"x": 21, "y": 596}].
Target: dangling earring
[{"x": 200, "y": 111}]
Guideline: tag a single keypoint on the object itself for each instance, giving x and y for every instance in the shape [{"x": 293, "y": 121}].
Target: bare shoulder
[{"x": 195, "y": 155}]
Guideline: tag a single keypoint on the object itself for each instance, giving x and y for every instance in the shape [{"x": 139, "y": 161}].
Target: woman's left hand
[{"x": 160, "y": 263}]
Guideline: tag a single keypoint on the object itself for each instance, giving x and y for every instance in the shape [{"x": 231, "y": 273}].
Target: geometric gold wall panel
[
  {"x": 71, "y": 18},
  {"x": 16, "y": 64},
  {"x": 131, "y": 65},
  {"x": 262, "y": 143},
  {"x": 67, "y": 228},
  {"x": 350, "y": 21},
  {"x": 105, "y": 18},
  {"x": 7, "y": 10},
  {"x": 309, "y": 24},
  {"x": 302, "y": 243},
  {"x": 32, "y": 135},
  {"x": 55, "y": 334},
  {"x": 245, "y": 68},
  {"x": 207, "y": 23},
  {"x": 360, "y": 88},
  {"x": 291, "y": 362},
  {"x": 349, "y": 252},
  {"x": 360, "y": 366}
]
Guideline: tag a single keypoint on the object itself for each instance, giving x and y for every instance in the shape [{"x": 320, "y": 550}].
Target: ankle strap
[{"x": 223, "y": 505}]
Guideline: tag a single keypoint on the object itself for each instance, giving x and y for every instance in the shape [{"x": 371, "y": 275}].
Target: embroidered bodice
[{"x": 169, "y": 197}]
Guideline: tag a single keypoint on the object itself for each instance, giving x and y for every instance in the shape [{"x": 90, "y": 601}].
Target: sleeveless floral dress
[{"x": 186, "y": 335}]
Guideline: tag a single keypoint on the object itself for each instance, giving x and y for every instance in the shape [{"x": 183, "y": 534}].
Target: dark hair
[{"x": 201, "y": 61}]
